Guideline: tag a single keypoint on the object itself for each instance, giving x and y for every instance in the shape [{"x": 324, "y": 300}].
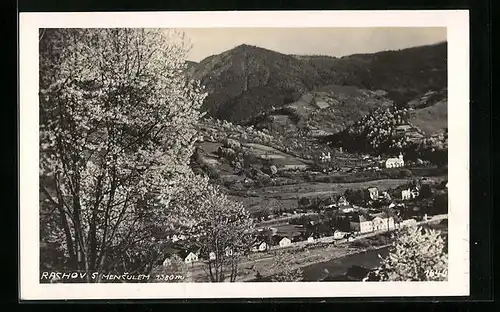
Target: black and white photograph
[{"x": 204, "y": 155}]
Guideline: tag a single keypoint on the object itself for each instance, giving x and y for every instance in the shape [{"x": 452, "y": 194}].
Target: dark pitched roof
[
  {"x": 363, "y": 218},
  {"x": 381, "y": 214},
  {"x": 276, "y": 239},
  {"x": 181, "y": 249},
  {"x": 308, "y": 97},
  {"x": 183, "y": 253},
  {"x": 258, "y": 243}
]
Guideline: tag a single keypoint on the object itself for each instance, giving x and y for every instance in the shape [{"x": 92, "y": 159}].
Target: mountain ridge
[{"x": 248, "y": 80}]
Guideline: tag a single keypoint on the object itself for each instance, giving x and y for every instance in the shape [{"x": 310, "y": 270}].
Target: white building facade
[
  {"x": 406, "y": 194},
  {"x": 285, "y": 242},
  {"x": 190, "y": 258},
  {"x": 395, "y": 162}
]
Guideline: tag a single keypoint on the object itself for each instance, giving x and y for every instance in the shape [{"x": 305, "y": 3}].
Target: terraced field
[{"x": 268, "y": 152}]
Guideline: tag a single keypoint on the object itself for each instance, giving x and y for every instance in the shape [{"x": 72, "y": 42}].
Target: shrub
[
  {"x": 361, "y": 243},
  {"x": 238, "y": 186},
  {"x": 308, "y": 177},
  {"x": 232, "y": 144},
  {"x": 273, "y": 169},
  {"x": 405, "y": 173},
  {"x": 211, "y": 172},
  {"x": 304, "y": 201},
  {"x": 416, "y": 254},
  {"x": 249, "y": 159}
]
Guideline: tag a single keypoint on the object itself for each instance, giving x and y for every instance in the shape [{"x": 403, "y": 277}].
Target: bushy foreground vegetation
[
  {"x": 117, "y": 129},
  {"x": 417, "y": 255}
]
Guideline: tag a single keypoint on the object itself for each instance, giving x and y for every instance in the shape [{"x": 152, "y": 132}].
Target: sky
[{"x": 311, "y": 41}]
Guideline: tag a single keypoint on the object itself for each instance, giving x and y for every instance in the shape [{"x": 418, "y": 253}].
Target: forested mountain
[{"x": 246, "y": 81}]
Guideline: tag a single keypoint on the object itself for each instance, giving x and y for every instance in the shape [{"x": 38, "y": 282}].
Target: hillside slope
[
  {"x": 247, "y": 81},
  {"x": 418, "y": 132},
  {"x": 431, "y": 116},
  {"x": 323, "y": 112}
]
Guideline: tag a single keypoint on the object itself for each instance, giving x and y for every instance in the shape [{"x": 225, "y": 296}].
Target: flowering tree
[
  {"x": 117, "y": 128},
  {"x": 283, "y": 265},
  {"x": 417, "y": 255},
  {"x": 175, "y": 272},
  {"x": 219, "y": 226}
]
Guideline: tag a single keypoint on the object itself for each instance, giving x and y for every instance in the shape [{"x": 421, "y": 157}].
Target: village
[
  {"x": 336, "y": 219},
  {"x": 245, "y": 165}
]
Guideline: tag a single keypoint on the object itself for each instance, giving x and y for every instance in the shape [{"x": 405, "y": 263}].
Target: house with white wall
[
  {"x": 228, "y": 251},
  {"x": 373, "y": 193},
  {"x": 415, "y": 192},
  {"x": 186, "y": 255},
  {"x": 167, "y": 262},
  {"x": 325, "y": 157},
  {"x": 385, "y": 196},
  {"x": 406, "y": 194},
  {"x": 362, "y": 224},
  {"x": 366, "y": 224},
  {"x": 408, "y": 222},
  {"x": 342, "y": 201},
  {"x": 191, "y": 258},
  {"x": 261, "y": 246},
  {"x": 395, "y": 162},
  {"x": 339, "y": 234},
  {"x": 285, "y": 242}
]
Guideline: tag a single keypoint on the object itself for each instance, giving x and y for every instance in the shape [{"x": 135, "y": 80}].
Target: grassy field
[
  {"x": 309, "y": 189},
  {"x": 433, "y": 118},
  {"x": 289, "y": 230},
  {"x": 286, "y": 197},
  {"x": 283, "y": 191},
  {"x": 268, "y": 152}
]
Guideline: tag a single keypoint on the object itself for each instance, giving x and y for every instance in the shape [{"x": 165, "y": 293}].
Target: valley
[
  {"x": 248, "y": 165},
  {"x": 290, "y": 155}
]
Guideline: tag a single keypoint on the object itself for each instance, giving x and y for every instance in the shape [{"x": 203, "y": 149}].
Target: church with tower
[{"x": 395, "y": 162}]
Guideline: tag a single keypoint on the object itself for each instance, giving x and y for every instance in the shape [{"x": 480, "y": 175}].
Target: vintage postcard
[{"x": 215, "y": 154}]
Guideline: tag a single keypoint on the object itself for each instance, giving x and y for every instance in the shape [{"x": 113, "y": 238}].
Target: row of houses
[
  {"x": 190, "y": 256},
  {"x": 370, "y": 195},
  {"x": 361, "y": 223},
  {"x": 263, "y": 246},
  {"x": 375, "y": 195},
  {"x": 405, "y": 194},
  {"x": 393, "y": 162}
]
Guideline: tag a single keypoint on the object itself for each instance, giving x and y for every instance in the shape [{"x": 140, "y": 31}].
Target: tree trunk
[{"x": 73, "y": 260}]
